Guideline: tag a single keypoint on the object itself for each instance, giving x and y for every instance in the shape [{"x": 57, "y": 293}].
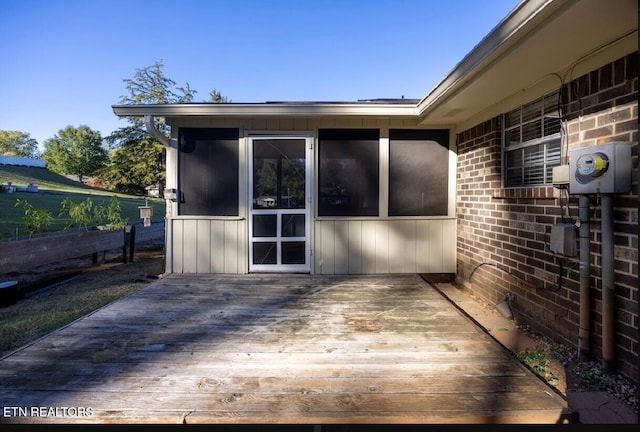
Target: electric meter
[
  {"x": 589, "y": 166},
  {"x": 605, "y": 168}
]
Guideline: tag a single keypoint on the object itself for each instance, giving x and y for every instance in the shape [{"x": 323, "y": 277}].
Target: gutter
[{"x": 408, "y": 110}]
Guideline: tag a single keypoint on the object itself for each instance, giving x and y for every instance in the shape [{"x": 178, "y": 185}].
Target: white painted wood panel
[
  {"x": 382, "y": 247},
  {"x": 176, "y": 240},
  {"x": 203, "y": 250},
  {"x": 385, "y": 246},
  {"x": 217, "y": 246},
  {"x": 354, "y": 245},
  {"x": 189, "y": 246},
  {"x": 208, "y": 246}
]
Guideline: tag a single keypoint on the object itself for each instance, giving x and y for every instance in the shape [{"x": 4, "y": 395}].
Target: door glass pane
[
  {"x": 293, "y": 225},
  {"x": 265, "y": 253},
  {"x": 278, "y": 173},
  {"x": 264, "y": 225},
  {"x": 293, "y": 252}
]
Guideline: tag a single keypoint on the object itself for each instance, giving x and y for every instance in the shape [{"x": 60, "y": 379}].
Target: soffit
[{"x": 561, "y": 38}]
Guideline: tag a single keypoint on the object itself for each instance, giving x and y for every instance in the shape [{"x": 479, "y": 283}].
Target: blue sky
[{"x": 63, "y": 61}]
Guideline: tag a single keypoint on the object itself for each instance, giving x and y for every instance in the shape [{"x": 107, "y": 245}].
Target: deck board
[{"x": 277, "y": 349}]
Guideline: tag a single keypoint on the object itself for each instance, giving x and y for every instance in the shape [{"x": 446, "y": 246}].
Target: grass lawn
[
  {"x": 34, "y": 317},
  {"x": 53, "y": 188}
]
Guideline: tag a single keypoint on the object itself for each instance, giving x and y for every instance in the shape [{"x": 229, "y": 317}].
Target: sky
[{"x": 63, "y": 62}]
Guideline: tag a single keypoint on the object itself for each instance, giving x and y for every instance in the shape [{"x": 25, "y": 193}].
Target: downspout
[
  {"x": 585, "y": 279},
  {"x": 150, "y": 124},
  {"x": 608, "y": 293}
]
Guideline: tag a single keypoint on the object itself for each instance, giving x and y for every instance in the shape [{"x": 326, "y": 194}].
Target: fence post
[{"x": 132, "y": 242}]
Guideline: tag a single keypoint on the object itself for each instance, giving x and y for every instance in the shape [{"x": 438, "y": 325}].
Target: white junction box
[
  {"x": 563, "y": 239},
  {"x": 604, "y": 168}
]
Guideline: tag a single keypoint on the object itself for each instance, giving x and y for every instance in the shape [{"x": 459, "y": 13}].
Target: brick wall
[{"x": 503, "y": 233}]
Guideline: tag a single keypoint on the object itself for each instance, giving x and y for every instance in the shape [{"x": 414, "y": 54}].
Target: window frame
[
  {"x": 425, "y": 139},
  {"x": 546, "y": 141},
  {"x": 358, "y": 136},
  {"x": 209, "y": 134}
]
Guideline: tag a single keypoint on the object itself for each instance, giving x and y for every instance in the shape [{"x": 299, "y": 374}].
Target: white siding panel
[
  {"x": 176, "y": 241},
  {"x": 382, "y": 246},
  {"x": 190, "y": 243},
  {"x": 435, "y": 246},
  {"x": 422, "y": 246},
  {"x": 368, "y": 247},
  {"x": 217, "y": 246},
  {"x": 203, "y": 258},
  {"x": 450, "y": 240},
  {"x": 402, "y": 246},
  {"x": 231, "y": 263},
  {"x": 327, "y": 262},
  {"x": 354, "y": 242},
  {"x": 341, "y": 247}
]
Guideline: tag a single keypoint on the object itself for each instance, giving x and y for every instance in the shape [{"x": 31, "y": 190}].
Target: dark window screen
[
  {"x": 349, "y": 172},
  {"x": 208, "y": 171},
  {"x": 418, "y": 172}
]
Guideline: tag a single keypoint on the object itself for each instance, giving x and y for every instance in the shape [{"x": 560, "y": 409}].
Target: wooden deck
[{"x": 276, "y": 349}]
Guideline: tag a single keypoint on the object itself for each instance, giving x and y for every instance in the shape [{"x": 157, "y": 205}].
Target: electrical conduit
[
  {"x": 608, "y": 293},
  {"x": 585, "y": 278}
]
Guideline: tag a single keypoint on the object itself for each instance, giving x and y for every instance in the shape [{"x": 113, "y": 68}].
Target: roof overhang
[
  {"x": 289, "y": 109},
  {"x": 538, "y": 46}
]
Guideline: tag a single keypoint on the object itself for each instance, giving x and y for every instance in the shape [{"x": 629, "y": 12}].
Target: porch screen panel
[
  {"x": 208, "y": 171},
  {"x": 418, "y": 172},
  {"x": 349, "y": 175}
]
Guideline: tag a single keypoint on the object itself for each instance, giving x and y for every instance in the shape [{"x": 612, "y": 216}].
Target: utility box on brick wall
[{"x": 604, "y": 168}]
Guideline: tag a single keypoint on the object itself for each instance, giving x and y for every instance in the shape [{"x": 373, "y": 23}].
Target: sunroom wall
[
  {"x": 340, "y": 244},
  {"x": 503, "y": 232}
]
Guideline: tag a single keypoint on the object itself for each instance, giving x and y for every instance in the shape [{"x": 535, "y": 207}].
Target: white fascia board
[
  {"x": 496, "y": 44},
  {"x": 267, "y": 109}
]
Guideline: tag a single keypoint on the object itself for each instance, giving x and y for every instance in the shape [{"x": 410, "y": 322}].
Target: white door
[{"x": 280, "y": 204}]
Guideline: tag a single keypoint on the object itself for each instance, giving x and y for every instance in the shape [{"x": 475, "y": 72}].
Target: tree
[
  {"x": 17, "y": 143},
  {"x": 75, "y": 151},
  {"x": 136, "y": 159},
  {"x": 216, "y": 97}
]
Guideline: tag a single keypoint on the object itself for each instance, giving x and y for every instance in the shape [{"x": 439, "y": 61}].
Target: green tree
[
  {"x": 76, "y": 151},
  {"x": 136, "y": 160},
  {"x": 17, "y": 143},
  {"x": 216, "y": 97}
]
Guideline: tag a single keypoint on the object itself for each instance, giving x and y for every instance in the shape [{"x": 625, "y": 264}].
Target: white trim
[{"x": 278, "y": 239}]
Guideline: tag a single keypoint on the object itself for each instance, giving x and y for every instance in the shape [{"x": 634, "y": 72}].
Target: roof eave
[
  {"x": 266, "y": 109},
  {"x": 503, "y": 36}
]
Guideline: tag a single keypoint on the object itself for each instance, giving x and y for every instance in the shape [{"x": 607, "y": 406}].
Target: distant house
[
  {"x": 153, "y": 190},
  {"x": 460, "y": 182},
  {"x": 21, "y": 161}
]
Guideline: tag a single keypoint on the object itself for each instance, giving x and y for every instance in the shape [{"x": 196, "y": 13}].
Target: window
[
  {"x": 208, "y": 171},
  {"x": 532, "y": 142},
  {"x": 348, "y": 164},
  {"x": 418, "y": 172}
]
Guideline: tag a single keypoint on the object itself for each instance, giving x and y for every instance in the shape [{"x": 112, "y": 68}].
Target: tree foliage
[
  {"x": 76, "y": 151},
  {"x": 17, "y": 143},
  {"x": 136, "y": 159}
]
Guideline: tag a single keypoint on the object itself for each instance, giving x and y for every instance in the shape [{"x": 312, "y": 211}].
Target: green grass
[
  {"x": 31, "y": 318},
  {"x": 53, "y": 188}
]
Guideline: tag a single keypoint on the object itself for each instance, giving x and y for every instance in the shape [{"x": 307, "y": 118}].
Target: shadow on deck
[{"x": 275, "y": 349}]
